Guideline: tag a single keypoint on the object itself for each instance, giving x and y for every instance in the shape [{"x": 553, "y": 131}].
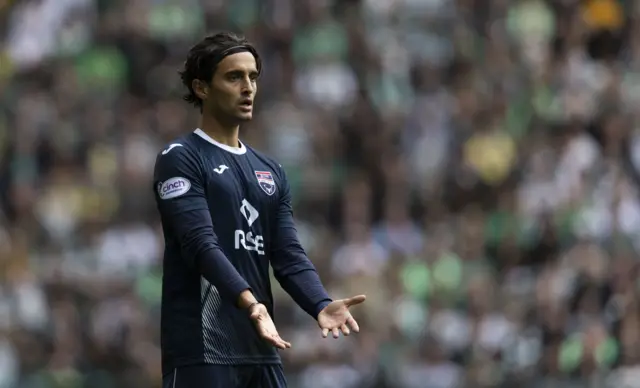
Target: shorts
[{"x": 226, "y": 376}]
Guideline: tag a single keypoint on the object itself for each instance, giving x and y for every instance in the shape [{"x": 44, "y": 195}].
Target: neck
[{"x": 226, "y": 134}]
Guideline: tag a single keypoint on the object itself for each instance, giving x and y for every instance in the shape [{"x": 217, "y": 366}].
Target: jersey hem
[{"x": 229, "y": 361}]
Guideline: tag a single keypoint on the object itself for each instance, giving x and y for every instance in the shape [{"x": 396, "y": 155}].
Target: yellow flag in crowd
[{"x": 603, "y": 14}]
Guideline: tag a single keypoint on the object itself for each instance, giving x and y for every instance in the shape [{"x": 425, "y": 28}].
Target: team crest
[{"x": 266, "y": 182}]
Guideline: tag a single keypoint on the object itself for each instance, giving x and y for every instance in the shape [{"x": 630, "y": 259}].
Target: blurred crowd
[{"x": 471, "y": 165}]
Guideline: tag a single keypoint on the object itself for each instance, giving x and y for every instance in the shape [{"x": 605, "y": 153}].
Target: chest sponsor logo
[
  {"x": 266, "y": 182},
  {"x": 248, "y": 240},
  {"x": 173, "y": 187}
]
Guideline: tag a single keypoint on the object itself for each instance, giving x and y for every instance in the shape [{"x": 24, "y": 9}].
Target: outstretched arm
[
  {"x": 298, "y": 276},
  {"x": 291, "y": 266}
]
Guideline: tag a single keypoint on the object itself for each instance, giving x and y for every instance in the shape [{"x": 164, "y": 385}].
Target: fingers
[
  {"x": 353, "y": 324},
  {"x": 282, "y": 344},
  {"x": 335, "y": 331},
  {"x": 278, "y": 342},
  {"x": 267, "y": 330},
  {"x": 275, "y": 340},
  {"x": 355, "y": 300}
]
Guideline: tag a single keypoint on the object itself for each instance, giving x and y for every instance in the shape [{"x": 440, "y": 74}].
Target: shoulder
[
  {"x": 181, "y": 150},
  {"x": 180, "y": 154},
  {"x": 182, "y": 146}
]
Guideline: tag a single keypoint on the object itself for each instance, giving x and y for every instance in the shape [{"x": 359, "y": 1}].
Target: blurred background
[{"x": 471, "y": 165}]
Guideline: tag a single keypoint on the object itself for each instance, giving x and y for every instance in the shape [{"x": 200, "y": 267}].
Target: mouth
[{"x": 246, "y": 105}]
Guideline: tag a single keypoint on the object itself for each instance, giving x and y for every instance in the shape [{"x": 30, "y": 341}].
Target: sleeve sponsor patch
[{"x": 173, "y": 187}]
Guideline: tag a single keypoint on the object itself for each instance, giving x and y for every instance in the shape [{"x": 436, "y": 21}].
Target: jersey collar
[{"x": 234, "y": 150}]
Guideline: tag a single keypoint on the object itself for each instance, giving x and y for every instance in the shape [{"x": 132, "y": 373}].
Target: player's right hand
[{"x": 265, "y": 326}]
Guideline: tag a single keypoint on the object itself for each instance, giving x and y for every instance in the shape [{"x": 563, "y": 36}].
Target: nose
[{"x": 247, "y": 87}]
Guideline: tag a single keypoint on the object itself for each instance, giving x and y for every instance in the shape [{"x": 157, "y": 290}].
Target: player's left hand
[{"x": 336, "y": 318}]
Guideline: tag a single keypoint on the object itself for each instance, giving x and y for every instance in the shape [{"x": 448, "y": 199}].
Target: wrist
[
  {"x": 246, "y": 299},
  {"x": 256, "y": 311},
  {"x": 321, "y": 306}
]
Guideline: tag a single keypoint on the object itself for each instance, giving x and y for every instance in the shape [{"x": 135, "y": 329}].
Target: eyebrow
[{"x": 239, "y": 71}]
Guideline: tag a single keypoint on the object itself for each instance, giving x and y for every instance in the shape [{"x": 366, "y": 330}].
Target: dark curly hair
[{"x": 204, "y": 57}]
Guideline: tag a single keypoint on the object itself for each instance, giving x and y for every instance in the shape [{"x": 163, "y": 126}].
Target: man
[{"x": 226, "y": 215}]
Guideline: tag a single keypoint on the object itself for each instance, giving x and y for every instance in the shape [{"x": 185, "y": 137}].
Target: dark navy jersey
[{"x": 236, "y": 200}]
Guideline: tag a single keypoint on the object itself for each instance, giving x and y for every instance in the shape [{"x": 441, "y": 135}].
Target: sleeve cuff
[{"x": 320, "y": 306}]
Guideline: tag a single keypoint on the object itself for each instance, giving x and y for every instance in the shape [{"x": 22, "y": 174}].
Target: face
[{"x": 230, "y": 94}]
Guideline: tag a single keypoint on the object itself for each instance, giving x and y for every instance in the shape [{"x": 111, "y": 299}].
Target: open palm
[
  {"x": 266, "y": 328},
  {"x": 336, "y": 318}
]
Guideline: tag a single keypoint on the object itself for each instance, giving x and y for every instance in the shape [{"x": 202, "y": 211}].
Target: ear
[{"x": 201, "y": 89}]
